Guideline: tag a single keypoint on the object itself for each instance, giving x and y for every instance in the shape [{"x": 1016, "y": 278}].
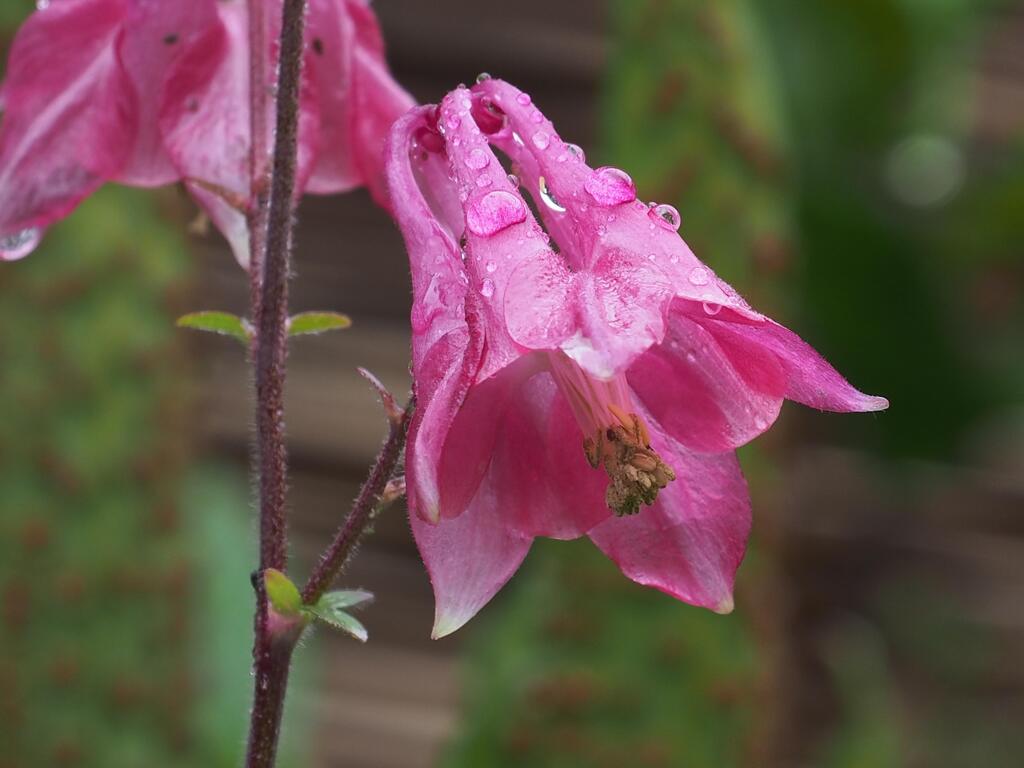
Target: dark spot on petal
[
  {"x": 192, "y": 105},
  {"x": 318, "y": 46},
  {"x": 170, "y": 39}
]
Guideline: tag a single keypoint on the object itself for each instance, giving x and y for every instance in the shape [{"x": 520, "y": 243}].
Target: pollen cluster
[{"x": 636, "y": 471}]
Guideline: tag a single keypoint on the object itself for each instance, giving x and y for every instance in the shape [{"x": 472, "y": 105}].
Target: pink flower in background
[
  {"x": 146, "y": 93},
  {"x": 593, "y": 378}
]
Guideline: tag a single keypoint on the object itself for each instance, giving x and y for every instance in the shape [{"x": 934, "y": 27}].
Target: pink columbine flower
[
  {"x": 599, "y": 387},
  {"x": 147, "y": 93}
]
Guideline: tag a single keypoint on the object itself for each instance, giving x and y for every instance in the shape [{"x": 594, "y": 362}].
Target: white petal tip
[
  {"x": 875, "y": 404},
  {"x": 446, "y": 625},
  {"x": 725, "y": 607}
]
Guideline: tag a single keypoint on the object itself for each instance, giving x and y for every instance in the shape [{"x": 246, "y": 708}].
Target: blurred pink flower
[
  {"x": 599, "y": 388},
  {"x": 146, "y": 93}
]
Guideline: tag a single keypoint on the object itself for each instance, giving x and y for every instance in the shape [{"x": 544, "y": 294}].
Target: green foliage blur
[{"x": 95, "y": 566}]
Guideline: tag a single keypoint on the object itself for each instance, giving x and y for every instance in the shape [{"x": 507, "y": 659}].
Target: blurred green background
[{"x": 854, "y": 167}]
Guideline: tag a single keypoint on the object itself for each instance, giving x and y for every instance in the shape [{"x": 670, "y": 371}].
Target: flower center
[{"x": 614, "y": 436}]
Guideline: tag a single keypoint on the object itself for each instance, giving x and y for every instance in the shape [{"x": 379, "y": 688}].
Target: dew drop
[
  {"x": 513, "y": 180},
  {"x": 536, "y": 116},
  {"x": 665, "y": 216},
  {"x": 541, "y": 140},
  {"x": 548, "y": 198},
  {"x": 42, "y": 5},
  {"x": 523, "y": 98},
  {"x": 699, "y": 276},
  {"x": 610, "y": 186},
  {"x": 484, "y": 181},
  {"x": 453, "y": 122},
  {"x": 491, "y": 267},
  {"x": 711, "y": 306},
  {"x": 478, "y": 159},
  {"x": 17, "y": 245},
  {"x": 518, "y": 139},
  {"x": 487, "y": 288},
  {"x": 483, "y": 77},
  {"x": 493, "y": 212}
]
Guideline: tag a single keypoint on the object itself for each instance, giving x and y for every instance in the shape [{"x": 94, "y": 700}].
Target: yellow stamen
[{"x": 636, "y": 471}]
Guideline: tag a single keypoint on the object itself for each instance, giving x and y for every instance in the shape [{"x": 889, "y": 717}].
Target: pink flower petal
[
  {"x": 358, "y": 98},
  {"x": 204, "y": 114},
  {"x": 469, "y": 443},
  {"x": 709, "y": 393},
  {"x": 69, "y": 119},
  {"x": 621, "y": 305},
  {"x": 469, "y": 558},
  {"x": 690, "y": 542},
  {"x": 516, "y": 435},
  {"x": 810, "y": 379},
  {"x": 155, "y": 35},
  {"x": 446, "y": 349}
]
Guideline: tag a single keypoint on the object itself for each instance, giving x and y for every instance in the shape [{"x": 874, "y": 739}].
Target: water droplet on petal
[
  {"x": 453, "y": 121},
  {"x": 513, "y": 180},
  {"x": 484, "y": 181},
  {"x": 665, "y": 216},
  {"x": 42, "y": 5},
  {"x": 610, "y": 186},
  {"x": 491, "y": 267},
  {"x": 491, "y": 213},
  {"x": 17, "y": 245},
  {"x": 541, "y": 140},
  {"x": 523, "y": 98},
  {"x": 487, "y": 288},
  {"x": 711, "y": 306},
  {"x": 577, "y": 151},
  {"x": 536, "y": 116},
  {"x": 483, "y": 76},
  {"x": 518, "y": 139},
  {"x": 478, "y": 159},
  {"x": 699, "y": 276},
  {"x": 548, "y": 198}
]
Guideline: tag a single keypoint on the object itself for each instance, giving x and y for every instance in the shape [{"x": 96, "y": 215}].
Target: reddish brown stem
[
  {"x": 367, "y": 503},
  {"x": 271, "y": 223}
]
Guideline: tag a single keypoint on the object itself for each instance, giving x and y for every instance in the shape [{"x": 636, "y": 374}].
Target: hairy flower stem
[
  {"x": 271, "y": 235},
  {"x": 366, "y": 505},
  {"x": 259, "y": 150}
]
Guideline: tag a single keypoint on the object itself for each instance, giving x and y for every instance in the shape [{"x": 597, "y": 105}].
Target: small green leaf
[
  {"x": 331, "y": 609},
  {"x": 283, "y": 594},
  {"x": 316, "y": 322},
  {"x": 345, "y": 598},
  {"x": 224, "y": 323}
]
